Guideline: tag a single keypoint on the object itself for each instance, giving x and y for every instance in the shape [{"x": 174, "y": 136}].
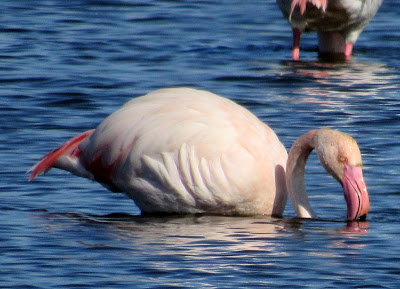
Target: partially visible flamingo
[
  {"x": 338, "y": 22},
  {"x": 190, "y": 151}
]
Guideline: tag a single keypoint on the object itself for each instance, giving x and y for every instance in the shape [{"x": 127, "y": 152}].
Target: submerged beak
[{"x": 355, "y": 193}]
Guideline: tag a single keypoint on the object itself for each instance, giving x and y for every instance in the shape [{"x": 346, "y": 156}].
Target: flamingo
[
  {"x": 338, "y": 22},
  {"x": 182, "y": 150}
]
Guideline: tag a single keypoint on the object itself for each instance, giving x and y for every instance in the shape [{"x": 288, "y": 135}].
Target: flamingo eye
[{"x": 343, "y": 159}]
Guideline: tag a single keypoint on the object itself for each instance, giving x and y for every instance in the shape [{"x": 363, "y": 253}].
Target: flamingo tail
[
  {"x": 69, "y": 149},
  {"x": 320, "y": 4}
]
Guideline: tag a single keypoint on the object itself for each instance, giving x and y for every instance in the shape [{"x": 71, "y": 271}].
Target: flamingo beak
[{"x": 355, "y": 193}]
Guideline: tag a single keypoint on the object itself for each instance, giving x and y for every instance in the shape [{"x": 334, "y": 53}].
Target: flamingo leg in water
[
  {"x": 348, "y": 50},
  {"x": 296, "y": 44}
]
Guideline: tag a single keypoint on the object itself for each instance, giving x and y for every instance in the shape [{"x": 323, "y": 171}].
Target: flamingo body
[
  {"x": 337, "y": 22},
  {"x": 182, "y": 150}
]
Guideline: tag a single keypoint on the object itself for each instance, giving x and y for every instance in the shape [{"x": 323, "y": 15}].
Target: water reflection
[
  {"x": 341, "y": 79},
  {"x": 352, "y": 233},
  {"x": 163, "y": 249},
  {"x": 196, "y": 234},
  {"x": 356, "y": 228}
]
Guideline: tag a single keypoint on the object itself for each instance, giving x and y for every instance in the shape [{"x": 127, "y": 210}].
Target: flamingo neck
[{"x": 295, "y": 167}]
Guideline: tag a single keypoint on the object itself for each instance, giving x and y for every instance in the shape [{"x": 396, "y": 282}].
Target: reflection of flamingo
[
  {"x": 188, "y": 151},
  {"x": 338, "y": 22},
  {"x": 356, "y": 228}
]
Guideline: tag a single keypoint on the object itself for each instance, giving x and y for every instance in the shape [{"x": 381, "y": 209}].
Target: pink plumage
[{"x": 183, "y": 150}]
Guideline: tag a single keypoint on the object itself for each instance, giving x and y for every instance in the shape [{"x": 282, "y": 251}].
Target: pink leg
[
  {"x": 296, "y": 44},
  {"x": 348, "y": 50}
]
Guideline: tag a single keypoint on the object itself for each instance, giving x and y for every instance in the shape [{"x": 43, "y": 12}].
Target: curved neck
[{"x": 295, "y": 167}]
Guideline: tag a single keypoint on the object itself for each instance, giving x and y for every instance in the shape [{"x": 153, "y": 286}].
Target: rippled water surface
[{"x": 65, "y": 65}]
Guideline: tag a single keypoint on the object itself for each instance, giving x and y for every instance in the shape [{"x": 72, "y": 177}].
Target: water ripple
[{"x": 66, "y": 65}]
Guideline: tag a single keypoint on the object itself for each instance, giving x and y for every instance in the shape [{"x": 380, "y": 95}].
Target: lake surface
[{"x": 66, "y": 65}]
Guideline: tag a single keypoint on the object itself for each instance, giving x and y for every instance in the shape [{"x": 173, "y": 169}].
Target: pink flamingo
[
  {"x": 338, "y": 22},
  {"x": 183, "y": 150}
]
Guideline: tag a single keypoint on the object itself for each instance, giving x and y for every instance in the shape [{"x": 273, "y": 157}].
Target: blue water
[{"x": 65, "y": 65}]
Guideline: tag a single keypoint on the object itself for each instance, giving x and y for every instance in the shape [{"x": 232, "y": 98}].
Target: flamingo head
[{"x": 340, "y": 155}]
